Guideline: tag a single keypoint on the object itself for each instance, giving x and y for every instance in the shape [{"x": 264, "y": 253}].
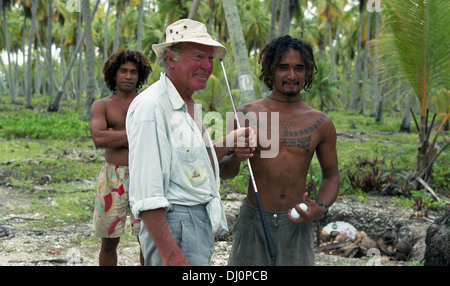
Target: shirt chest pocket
[{"x": 192, "y": 164}]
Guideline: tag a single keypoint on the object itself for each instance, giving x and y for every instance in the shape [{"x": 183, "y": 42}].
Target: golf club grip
[{"x": 272, "y": 252}]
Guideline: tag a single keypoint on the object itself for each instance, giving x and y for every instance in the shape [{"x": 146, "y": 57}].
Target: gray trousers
[
  {"x": 293, "y": 243},
  {"x": 191, "y": 228}
]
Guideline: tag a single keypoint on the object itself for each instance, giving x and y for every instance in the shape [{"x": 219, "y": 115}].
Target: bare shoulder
[
  {"x": 98, "y": 105},
  {"x": 317, "y": 115},
  {"x": 325, "y": 125},
  {"x": 101, "y": 102},
  {"x": 104, "y": 100},
  {"x": 254, "y": 106},
  {"x": 327, "y": 122}
]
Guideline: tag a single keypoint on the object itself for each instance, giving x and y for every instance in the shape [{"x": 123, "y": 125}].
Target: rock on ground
[{"x": 438, "y": 242}]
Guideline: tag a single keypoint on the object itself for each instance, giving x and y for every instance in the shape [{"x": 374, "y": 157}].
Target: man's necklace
[{"x": 285, "y": 101}]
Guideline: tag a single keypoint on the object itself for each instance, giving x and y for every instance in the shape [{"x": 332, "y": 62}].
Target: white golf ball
[{"x": 295, "y": 214}]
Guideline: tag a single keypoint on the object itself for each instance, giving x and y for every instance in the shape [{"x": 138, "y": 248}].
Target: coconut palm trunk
[
  {"x": 239, "y": 50},
  {"x": 91, "y": 83},
  {"x": 284, "y": 23},
  {"x": 12, "y": 91}
]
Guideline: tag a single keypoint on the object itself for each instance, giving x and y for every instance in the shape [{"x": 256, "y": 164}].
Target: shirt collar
[{"x": 174, "y": 97}]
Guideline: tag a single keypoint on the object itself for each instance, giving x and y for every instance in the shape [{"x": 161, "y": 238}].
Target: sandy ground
[{"x": 77, "y": 245}]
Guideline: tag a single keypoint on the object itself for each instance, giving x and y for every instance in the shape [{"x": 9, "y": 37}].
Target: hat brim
[{"x": 219, "y": 50}]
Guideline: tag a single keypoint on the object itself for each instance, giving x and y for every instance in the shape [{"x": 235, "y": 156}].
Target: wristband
[{"x": 324, "y": 205}]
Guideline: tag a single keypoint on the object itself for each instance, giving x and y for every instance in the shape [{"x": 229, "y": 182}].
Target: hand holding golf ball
[{"x": 295, "y": 214}]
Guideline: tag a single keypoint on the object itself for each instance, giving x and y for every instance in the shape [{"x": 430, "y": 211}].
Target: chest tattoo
[{"x": 298, "y": 137}]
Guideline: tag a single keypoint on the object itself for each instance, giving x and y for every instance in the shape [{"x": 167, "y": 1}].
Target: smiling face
[
  {"x": 192, "y": 72},
  {"x": 289, "y": 76}
]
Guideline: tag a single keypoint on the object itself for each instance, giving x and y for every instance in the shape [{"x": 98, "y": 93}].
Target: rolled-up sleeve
[{"x": 149, "y": 165}]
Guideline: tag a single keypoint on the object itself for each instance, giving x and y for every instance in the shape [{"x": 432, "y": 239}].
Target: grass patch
[
  {"x": 37, "y": 162},
  {"x": 51, "y": 160},
  {"x": 53, "y": 153},
  {"x": 59, "y": 207}
]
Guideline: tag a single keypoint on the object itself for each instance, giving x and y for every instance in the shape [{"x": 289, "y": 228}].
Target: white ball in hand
[{"x": 295, "y": 214}]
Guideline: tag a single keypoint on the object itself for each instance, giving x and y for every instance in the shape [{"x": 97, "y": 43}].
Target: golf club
[{"x": 272, "y": 252}]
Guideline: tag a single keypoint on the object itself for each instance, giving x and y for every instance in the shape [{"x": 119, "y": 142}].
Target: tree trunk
[
  {"x": 90, "y": 60},
  {"x": 48, "y": 46},
  {"x": 78, "y": 77},
  {"x": 54, "y": 105},
  {"x": 194, "y": 9},
  {"x": 104, "y": 89},
  {"x": 37, "y": 76},
  {"x": 12, "y": 91},
  {"x": 333, "y": 76},
  {"x": 426, "y": 152},
  {"x": 406, "y": 120},
  {"x": 118, "y": 25},
  {"x": 28, "y": 89},
  {"x": 239, "y": 49},
  {"x": 366, "y": 63},
  {"x": 273, "y": 20},
  {"x": 347, "y": 76},
  {"x": 284, "y": 24},
  {"x": 140, "y": 22},
  {"x": 4, "y": 85},
  {"x": 355, "y": 91},
  {"x": 375, "y": 88},
  {"x": 379, "y": 116}
]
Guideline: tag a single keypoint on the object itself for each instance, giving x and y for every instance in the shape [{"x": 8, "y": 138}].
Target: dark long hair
[
  {"x": 120, "y": 57},
  {"x": 272, "y": 52}
]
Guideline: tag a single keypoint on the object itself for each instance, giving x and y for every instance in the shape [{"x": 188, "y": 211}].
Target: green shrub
[{"x": 66, "y": 124}]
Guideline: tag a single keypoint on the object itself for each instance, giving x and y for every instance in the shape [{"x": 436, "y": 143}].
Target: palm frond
[{"x": 421, "y": 37}]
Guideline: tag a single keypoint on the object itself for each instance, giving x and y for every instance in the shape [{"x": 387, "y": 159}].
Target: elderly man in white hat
[{"x": 174, "y": 169}]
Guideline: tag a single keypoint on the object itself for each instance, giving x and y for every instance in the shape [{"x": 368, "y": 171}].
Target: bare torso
[
  {"x": 281, "y": 180},
  {"x": 116, "y": 112},
  {"x": 108, "y": 114}
]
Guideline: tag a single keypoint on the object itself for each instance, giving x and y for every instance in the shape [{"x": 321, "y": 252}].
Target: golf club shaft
[{"x": 272, "y": 252}]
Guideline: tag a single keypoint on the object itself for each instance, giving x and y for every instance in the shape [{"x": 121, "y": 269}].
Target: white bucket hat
[{"x": 187, "y": 30}]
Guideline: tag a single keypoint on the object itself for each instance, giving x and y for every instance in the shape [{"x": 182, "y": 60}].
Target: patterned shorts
[{"x": 112, "y": 204}]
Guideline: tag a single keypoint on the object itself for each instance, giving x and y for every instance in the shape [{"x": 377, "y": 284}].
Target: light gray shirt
[{"x": 168, "y": 156}]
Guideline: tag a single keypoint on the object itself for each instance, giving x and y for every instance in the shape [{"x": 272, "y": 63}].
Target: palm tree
[
  {"x": 255, "y": 25},
  {"x": 194, "y": 9},
  {"x": 355, "y": 89},
  {"x": 419, "y": 47},
  {"x": 90, "y": 59},
  {"x": 14, "y": 97},
  {"x": 375, "y": 86},
  {"x": 66, "y": 40},
  {"x": 324, "y": 89},
  {"x": 284, "y": 24},
  {"x": 239, "y": 50},
  {"x": 28, "y": 88},
  {"x": 273, "y": 19},
  {"x": 365, "y": 65},
  {"x": 140, "y": 23}
]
